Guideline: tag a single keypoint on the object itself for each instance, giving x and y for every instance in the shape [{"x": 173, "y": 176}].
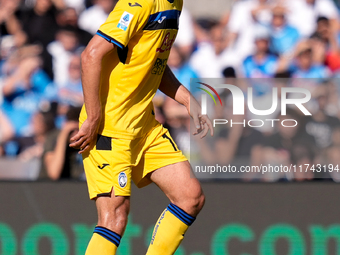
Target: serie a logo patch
[{"x": 125, "y": 21}]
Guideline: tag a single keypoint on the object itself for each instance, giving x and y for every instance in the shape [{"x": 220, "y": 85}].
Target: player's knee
[
  {"x": 115, "y": 217},
  {"x": 114, "y": 220},
  {"x": 193, "y": 203},
  {"x": 200, "y": 200},
  {"x": 197, "y": 199}
]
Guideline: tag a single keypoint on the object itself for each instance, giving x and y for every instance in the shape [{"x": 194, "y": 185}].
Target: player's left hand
[
  {"x": 202, "y": 122},
  {"x": 85, "y": 137},
  {"x": 202, "y": 125}
]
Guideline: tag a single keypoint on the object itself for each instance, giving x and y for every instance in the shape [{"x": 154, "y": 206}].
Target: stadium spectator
[
  {"x": 280, "y": 147},
  {"x": 306, "y": 66},
  {"x": 230, "y": 77},
  {"x": 308, "y": 61},
  {"x": 229, "y": 72},
  {"x": 323, "y": 30},
  {"x": 321, "y": 125},
  {"x": 6, "y": 129},
  {"x": 9, "y": 23},
  {"x": 40, "y": 25},
  {"x": 202, "y": 27},
  {"x": 61, "y": 50},
  {"x": 70, "y": 93},
  {"x": 243, "y": 17},
  {"x": 262, "y": 64},
  {"x": 283, "y": 36},
  {"x": 91, "y": 19},
  {"x": 69, "y": 17},
  {"x": 25, "y": 87},
  {"x": 78, "y": 5},
  {"x": 7, "y": 48},
  {"x": 32, "y": 146},
  {"x": 59, "y": 161},
  {"x": 329, "y": 37},
  {"x": 185, "y": 38},
  {"x": 302, "y": 14},
  {"x": 210, "y": 58}
]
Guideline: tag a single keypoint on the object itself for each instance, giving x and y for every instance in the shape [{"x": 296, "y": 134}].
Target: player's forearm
[
  {"x": 91, "y": 68},
  {"x": 171, "y": 87},
  {"x": 91, "y": 61}
]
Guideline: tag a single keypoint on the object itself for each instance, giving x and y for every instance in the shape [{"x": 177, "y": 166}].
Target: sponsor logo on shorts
[
  {"x": 103, "y": 166},
  {"x": 122, "y": 180}
]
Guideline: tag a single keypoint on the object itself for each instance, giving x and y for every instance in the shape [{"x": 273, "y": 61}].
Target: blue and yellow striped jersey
[{"x": 143, "y": 31}]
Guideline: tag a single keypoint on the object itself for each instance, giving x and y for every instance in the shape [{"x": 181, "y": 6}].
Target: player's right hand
[
  {"x": 85, "y": 137},
  {"x": 202, "y": 122}
]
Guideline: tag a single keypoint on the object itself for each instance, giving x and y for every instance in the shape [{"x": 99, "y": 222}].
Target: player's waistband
[{"x": 113, "y": 133}]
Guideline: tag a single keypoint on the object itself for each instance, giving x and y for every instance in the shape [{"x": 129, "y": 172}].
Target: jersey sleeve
[{"x": 127, "y": 18}]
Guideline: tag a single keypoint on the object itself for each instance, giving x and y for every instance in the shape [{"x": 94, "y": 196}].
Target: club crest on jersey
[
  {"x": 124, "y": 21},
  {"x": 122, "y": 179}
]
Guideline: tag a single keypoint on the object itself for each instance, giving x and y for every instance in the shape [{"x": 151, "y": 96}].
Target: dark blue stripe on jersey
[
  {"x": 163, "y": 20},
  {"x": 110, "y": 39},
  {"x": 108, "y": 235},
  {"x": 171, "y": 14},
  {"x": 181, "y": 215}
]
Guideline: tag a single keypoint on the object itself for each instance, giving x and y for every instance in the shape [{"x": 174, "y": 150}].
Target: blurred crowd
[{"x": 41, "y": 93}]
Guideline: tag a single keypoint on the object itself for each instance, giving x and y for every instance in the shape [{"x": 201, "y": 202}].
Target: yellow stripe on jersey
[{"x": 144, "y": 31}]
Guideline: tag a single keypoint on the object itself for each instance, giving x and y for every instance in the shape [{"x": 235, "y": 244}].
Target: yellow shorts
[{"x": 113, "y": 162}]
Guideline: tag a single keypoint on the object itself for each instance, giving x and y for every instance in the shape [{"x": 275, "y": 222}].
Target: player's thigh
[
  {"x": 179, "y": 184},
  {"x": 159, "y": 150}
]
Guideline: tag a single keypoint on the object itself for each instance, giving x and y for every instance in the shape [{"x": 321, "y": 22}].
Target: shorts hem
[
  {"x": 145, "y": 182},
  {"x": 95, "y": 195}
]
